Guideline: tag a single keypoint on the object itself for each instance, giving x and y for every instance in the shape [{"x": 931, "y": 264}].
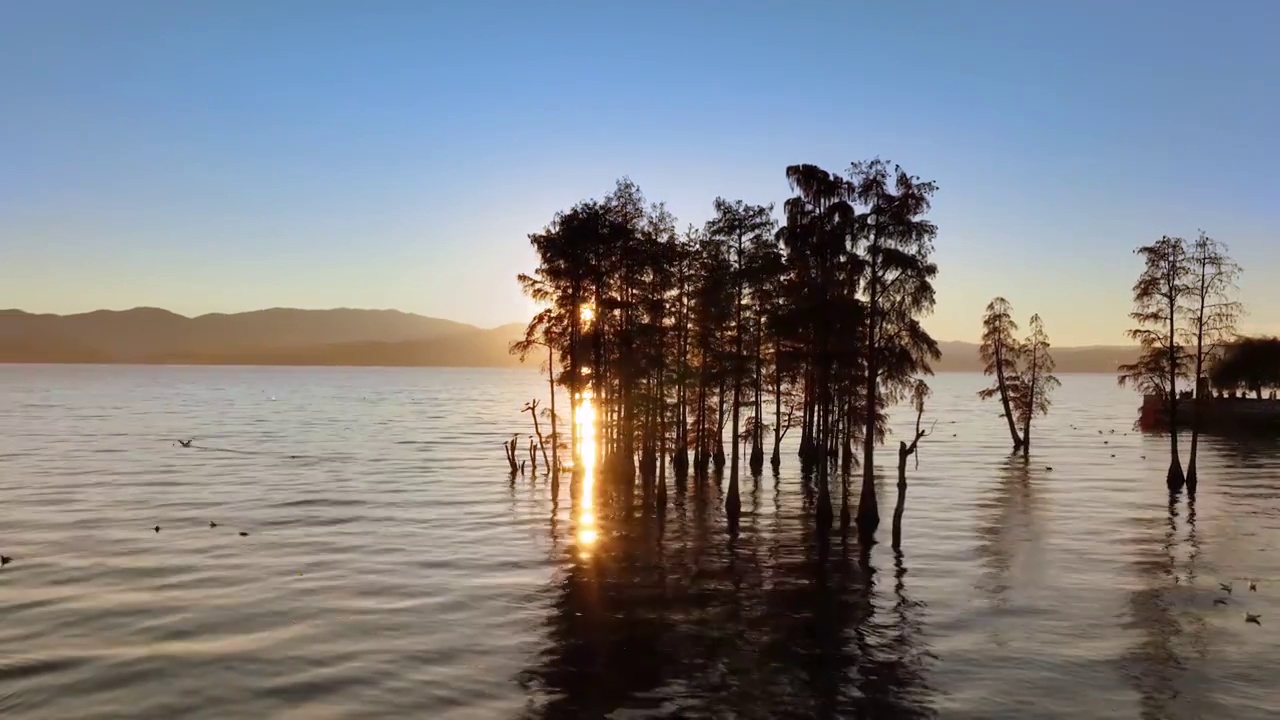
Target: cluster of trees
[
  {"x": 747, "y": 324},
  {"x": 1022, "y": 370},
  {"x": 1185, "y": 311},
  {"x": 1250, "y": 364}
]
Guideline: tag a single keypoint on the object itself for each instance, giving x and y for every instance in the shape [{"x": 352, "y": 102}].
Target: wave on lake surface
[{"x": 391, "y": 569}]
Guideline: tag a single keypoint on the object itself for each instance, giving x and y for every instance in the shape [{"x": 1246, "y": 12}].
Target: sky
[{"x": 221, "y": 157}]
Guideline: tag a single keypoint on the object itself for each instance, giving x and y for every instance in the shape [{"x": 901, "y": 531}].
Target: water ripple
[{"x": 393, "y": 570}]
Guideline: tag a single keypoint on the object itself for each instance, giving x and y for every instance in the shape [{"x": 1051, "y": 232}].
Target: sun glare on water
[{"x": 586, "y": 419}]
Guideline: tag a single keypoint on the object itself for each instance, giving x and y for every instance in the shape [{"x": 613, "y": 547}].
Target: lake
[{"x": 391, "y": 569}]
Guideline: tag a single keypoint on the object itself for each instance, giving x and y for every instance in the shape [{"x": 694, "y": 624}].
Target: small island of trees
[{"x": 699, "y": 350}]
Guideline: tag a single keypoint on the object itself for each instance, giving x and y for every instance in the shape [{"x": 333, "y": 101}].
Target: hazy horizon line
[{"x": 402, "y": 312}]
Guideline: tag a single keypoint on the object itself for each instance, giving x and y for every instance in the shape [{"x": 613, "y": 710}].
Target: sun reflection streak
[{"x": 586, "y": 419}]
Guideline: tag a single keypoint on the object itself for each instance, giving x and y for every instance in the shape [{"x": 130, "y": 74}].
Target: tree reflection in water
[
  {"x": 1172, "y": 645},
  {"x": 669, "y": 615}
]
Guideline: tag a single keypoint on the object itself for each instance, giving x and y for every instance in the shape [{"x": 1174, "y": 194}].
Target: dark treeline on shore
[{"x": 747, "y": 326}]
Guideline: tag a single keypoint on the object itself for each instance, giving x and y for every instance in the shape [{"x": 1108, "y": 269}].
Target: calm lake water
[{"x": 392, "y": 570}]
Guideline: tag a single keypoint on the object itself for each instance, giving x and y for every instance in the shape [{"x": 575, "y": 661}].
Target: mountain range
[{"x": 284, "y": 336}]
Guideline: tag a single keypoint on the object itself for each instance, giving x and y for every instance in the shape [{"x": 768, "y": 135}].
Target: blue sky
[{"x": 245, "y": 154}]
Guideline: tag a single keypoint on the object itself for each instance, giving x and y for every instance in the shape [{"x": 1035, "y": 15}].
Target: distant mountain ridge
[{"x": 342, "y": 336}]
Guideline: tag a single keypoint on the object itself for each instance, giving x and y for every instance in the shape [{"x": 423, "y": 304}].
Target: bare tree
[
  {"x": 1157, "y": 296},
  {"x": 531, "y": 407},
  {"x": 1211, "y": 312},
  {"x": 1000, "y": 351},
  {"x": 919, "y": 393},
  {"x": 541, "y": 332}
]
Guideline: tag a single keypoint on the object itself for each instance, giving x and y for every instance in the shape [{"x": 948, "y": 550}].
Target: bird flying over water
[
  {"x": 156, "y": 528},
  {"x": 213, "y": 524},
  {"x": 1219, "y": 601},
  {"x": 186, "y": 443},
  {"x": 1253, "y": 586},
  {"x": 5, "y": 560},
  {"x": 1251, "y": 618},
  {"x": 1226, "y": 587}
]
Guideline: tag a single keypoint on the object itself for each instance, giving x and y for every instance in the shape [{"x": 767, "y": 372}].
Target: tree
[
  {"x": 1250, "y": 364},
  {"x": 1000, "y": 350},
  {"x": 677, "y": 339},
  {"x": 897, "y": 281},
  {"x": 1035, "y": 382},
  {"x": 919, "y": 393},
  {"x": 1158, "y": 295},
  {"x": 1211, "y": 313},
  {"x": 739, "y": 227}
]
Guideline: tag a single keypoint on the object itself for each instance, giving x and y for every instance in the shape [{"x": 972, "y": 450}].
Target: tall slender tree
[
  {"x": 897, "y": 280},
  {"x": 739, "y": 228},
  {"x": 1158, "y": 295},
  {"x": 1036, "y": 381},
  {"x": 1000, "y": 350},
  {"x": 1210, "y": 311}
]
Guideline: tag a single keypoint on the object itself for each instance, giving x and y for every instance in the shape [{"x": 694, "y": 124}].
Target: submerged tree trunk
[
  {"x": 904, "y": 452},
  {"x": 555, "y": 430},
  {"x": 1004, "y": 400},
  {"x": 1174, "y": 479},
  {"x": 775, "y": 458},
  {"x": 719, "y": 459},
  {"x": 1033, "y": 372},
  {"x": 733, "y": 503},
  {"x": 868, "y": 509},
  {"x": 822, "y": 431},
  {"x": 1197, "y": 412},
  {"x": 756, "y": 461}
]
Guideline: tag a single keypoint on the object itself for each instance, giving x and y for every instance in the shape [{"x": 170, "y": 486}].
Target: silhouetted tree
[
  {"x": 1035, "y": 380},
  {"x": 1158, "y": 295},
  {"x": 919, "y": 393},
  {"x": 1250, "y": 364},
  {"x": 739, "y": 228},
  {"x": 897, "y": 280},
  {"x": 1211, "y": 313},
  {"x": 1000, "y": 350},
  {"x": 676, "y": 338}
]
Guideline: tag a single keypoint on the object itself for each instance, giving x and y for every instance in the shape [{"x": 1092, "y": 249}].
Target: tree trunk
[
  {"x": 533, "y": 412},
  {"x": 807, "y": 424},
  {"x": 1197, "y": 412},
  {"x": 719, "y": 459},
  {"x": 1033, "y": 375},
  {"x": 775, "y": 458},
  {"x": 733, "y": 503},
  {"x": 555, "y": 430},
  {"x": 756, "y": 461},
  {"x": 824, "y": 511},
  {"x": 903, "y": 453},
  {"x": 1004, "y": 399},
  {"x": 868, "y": 510},
  {"x": 1174, "y": 479}
]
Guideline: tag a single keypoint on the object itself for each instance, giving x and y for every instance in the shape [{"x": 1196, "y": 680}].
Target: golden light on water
[{"x": 586, "y": 420}]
